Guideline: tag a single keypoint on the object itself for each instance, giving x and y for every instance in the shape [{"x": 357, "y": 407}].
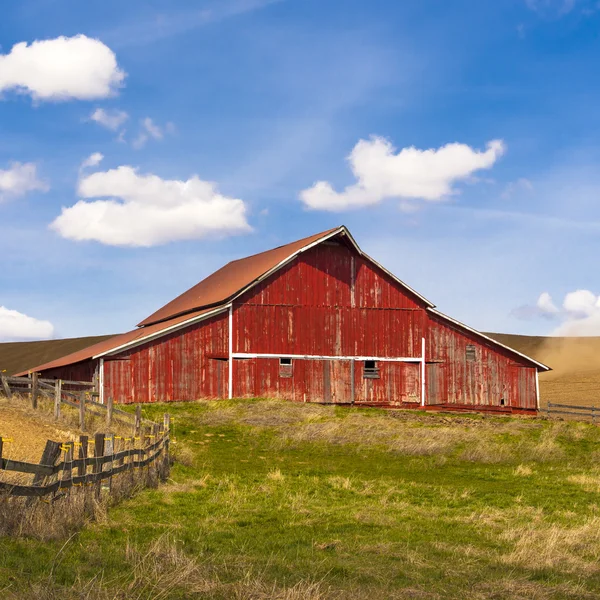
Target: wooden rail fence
[
  {"x": 77, "y": 394},
  {"x": 584, "y": 412},
  {"x": 60, "y": 470}
]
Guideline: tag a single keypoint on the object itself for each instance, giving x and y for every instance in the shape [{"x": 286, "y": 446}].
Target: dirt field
[
  {"x": 28, "y": 432},
  {"x": 575, "y": 378}
]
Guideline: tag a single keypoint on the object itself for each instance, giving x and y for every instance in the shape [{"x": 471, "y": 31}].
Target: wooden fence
[
  {"x": 68, "y": 464},
  {"x": 582, "y": 412},
  {"x": 77, "y": 394},
  {"x": 60, "y": 470}
]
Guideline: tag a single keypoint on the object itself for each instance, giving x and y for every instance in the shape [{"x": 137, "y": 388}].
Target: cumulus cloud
[
  {"x": 19, "y": 179},
  {"x": 93, "y": 160},
  {"x": 546, "y": 305},
  {"x": 136, "y": 209},
  {"x": 110, "y": 119},
  {"x": 17, "y": 326},
  {"x": 61, "y": 69},
  {"x": 383, "y": 173},
  {"x": 579, "y": 314}
]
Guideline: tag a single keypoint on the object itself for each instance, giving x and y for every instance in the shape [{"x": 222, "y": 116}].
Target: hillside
[
  {"x": 21, "y": 356},
  {"x": 575, "y": 363},
  {"x": 277, "y": 500}
]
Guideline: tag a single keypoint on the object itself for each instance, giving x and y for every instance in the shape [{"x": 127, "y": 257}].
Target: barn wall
[
  {"x": 82, "y": 371},
  {"x": 495, "y": 374},
  {"x": 328, "y": 302},
  {"x": 185, "y": 365}
]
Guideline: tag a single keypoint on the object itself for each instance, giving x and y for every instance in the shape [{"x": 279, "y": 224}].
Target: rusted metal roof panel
[
  {"x": 113, "y": 343},
  {"x": 232, "y": 278}
]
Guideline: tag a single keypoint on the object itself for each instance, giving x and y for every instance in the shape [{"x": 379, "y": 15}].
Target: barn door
[
  {"x": 435, "y": 383},
  {"x": 338, "y": 381}
]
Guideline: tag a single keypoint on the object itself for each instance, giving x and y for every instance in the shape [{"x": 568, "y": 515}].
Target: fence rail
[
  {"x": 81, "y": 396},
  {"x": 55, "y": 471},
  {"x": 586, "y": 412}
]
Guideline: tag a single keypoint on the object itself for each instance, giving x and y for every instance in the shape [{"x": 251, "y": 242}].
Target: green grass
[{"x": 280, "y": 500}]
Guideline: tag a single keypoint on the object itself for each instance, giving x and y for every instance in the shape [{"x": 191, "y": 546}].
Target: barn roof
[{"x": 215, "y": 293}]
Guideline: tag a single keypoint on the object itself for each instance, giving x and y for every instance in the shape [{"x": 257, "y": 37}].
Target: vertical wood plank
[
  {"x": 57, "y": 398},
  {"x": 109, "y": 412},
  {"x": 138, "y": 419},
  {"x": 83, "y": 454},
  {"x": 6, "y": 387},
  {"x": 34, "y": 390},
  {"x": 98, "y": 453},
  {"x": 82, "y": 410}
]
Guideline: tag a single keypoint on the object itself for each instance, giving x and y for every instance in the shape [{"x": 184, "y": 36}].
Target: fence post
[
  {"x": 109, "y": 450},
  {"x": 98, "y": 453},
  {"x": 57, "y": 398},
  {"x": 167, "y": 439},
  {"x": 6, "y": 387},
  {"x": 49, "y": 457},
  {"x": 82, "y": 410},
  {"x": 1, "y": 444},
  {"x": 34, "y": 390},
  {"x": 109, "y": 412},
  {"x": 593, "y": 415},
  {"x": 67, "y": 473},
  {"x": 548, "y": 406},
  {"x": 138, "y": 420}
]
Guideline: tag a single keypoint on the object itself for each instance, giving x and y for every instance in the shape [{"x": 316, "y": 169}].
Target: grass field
[{"x": 279, "y": 500}]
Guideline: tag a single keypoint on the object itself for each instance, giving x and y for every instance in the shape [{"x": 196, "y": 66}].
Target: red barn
[{"x": 316, "y": 320}]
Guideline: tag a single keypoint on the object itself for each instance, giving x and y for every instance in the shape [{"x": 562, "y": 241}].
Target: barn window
[
  {"x": 285, "y": 367},
  {"x": 471, "y": 353},
  {"x": 370, "y": 370}
]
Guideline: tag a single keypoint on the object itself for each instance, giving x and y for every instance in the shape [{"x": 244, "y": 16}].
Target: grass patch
[{"x": 281, "y": 500}]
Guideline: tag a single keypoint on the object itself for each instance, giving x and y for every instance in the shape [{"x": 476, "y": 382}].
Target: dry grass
[
  {"x": 56, "y": 517},
  {"x": 538, "y": 545},
  {"x": 164, "y": 570}
]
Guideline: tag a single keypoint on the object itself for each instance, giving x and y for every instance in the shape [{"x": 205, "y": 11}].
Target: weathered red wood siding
[
  {"x": 185, "y": 365},
  {"x": 83, "y": 371},
  {"x": 328, "y": 302},
  {"x": 495, "y": 374}
]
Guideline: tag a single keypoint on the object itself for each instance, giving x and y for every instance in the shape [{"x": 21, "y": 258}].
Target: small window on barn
[
  {"x": 285, "y": 367},
  {"x": 370, "y": 370},
  {"x": 471, "y": 353}
]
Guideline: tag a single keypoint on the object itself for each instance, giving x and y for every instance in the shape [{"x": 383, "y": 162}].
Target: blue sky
[{"x": 494, "y": 215}]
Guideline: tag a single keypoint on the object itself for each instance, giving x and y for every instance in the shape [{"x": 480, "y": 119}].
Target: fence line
[
  {"x": 82, "y": 399},
  {"x": 51, "y": 476},
  {"x": 589, "y": 412}
]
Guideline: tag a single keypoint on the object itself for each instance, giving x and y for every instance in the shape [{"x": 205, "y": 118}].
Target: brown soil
[{"x": 575, "y": 363}]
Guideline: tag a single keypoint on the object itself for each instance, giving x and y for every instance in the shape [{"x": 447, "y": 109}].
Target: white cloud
[
  {"x": 409, "y": 174},
  {"x": 546, "y": 305},
  {"x": 61, "y": 69},
  {"x": 580, "y": 313},
  {"x": 19, "y": 179},
  {"x": 110, "y": 119},
  {"x": 144, "y": 210},
  {"x": 514, "y": 187},
  {"x": 150, "y": 130},
  {"x": 17, "y": 326},
  {"x": 93, "y": 160}
]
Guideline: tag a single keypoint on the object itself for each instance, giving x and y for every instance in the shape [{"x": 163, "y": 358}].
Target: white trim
[
  {"x": 157, "y": 334},
  {"x": 537, "y": 389},
  {"x": 101, "y": 380},
  {"x": 230, "y": 360},
  {"x": 423, "y": 367},
  {"x": 542, "y": 366},
  {"x": 417, "y": 359}
]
